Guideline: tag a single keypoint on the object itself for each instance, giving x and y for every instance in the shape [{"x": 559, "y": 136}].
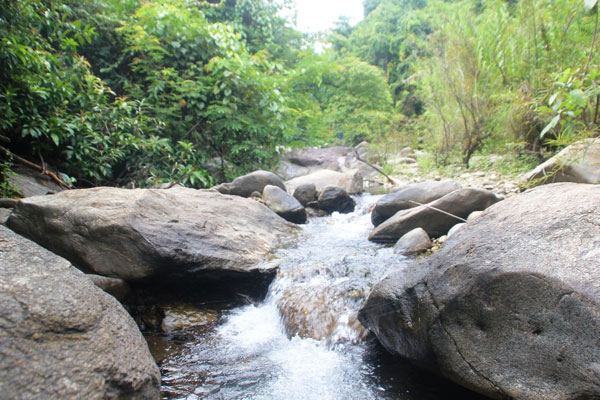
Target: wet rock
[
  {"x": 334, "y": 198},
  {"x": 63, "y": 338},
  {"x": 254, "y": 182},
  {"x": 510, "y": 305},
  {"x": 312, "y": 212},
  {"x": 32, "y": 183},
  {"x": 402, "y": 199},
  {"x": 459, "y": 203},
  {"x": 117, "y": 288},
  {"x": 351, "y": 181},
  {"x": 143, "y": 233},
  {"x": 317, "y": 312},
  {"x": 306, "y": 193},
  {"x": 579, "y": 163},
  {"x": 284, "y": 205},
  {"x": 185, "y": 316},
  {"x": 413, "y": 242}
]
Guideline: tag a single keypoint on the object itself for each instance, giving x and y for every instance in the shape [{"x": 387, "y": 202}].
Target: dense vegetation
[{"x": 139, "y": 93}]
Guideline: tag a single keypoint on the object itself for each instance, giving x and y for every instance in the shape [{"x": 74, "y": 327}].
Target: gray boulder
[
  {"x": 402, "y": 199},
  {"x": 413, "y": 242},
  {"x": 332, "y": 158},
  {"x": 63, "y": 338},
  {"x": 30, "y": 183},
  {"x": 510, "y": 305},
  {"x": 142, "y": 233},
  {"x": 306, "y": 193},
  {"x": 459, "y": 203},
  {"x": 579, "y": 163},
  {"x": 351, "y": 181},
  {"x": 254, "y": 182},
  {"x": 283, "y": 204},
  {"x": 334, "y": 198}
]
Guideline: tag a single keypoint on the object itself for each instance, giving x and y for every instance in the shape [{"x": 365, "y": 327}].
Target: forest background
[{"x": 137, "y": 93}]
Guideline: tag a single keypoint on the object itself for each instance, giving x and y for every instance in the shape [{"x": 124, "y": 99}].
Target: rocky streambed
[{"x": 236, "y": 301}]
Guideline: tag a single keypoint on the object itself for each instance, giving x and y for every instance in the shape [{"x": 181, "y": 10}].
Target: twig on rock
[
  {"x": 390, "y": 180},
  {"x": 438, "y": 210},
  {"x": 38, "y": 168}
]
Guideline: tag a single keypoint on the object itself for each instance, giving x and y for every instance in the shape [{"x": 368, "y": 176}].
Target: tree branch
[{"x": 38, "y": 168}]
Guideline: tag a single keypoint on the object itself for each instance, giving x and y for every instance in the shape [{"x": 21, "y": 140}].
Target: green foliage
[
  {"x": 6, "y": 188},
  {"x": 329, "y": 95}
]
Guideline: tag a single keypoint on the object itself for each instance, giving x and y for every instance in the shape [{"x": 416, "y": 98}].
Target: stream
[{"x": 303, "y": 341}]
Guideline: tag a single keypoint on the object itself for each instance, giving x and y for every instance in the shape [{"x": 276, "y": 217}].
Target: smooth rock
[
  {"x": 510, "y": 305},
  {"x": 117, "y": 288},
  {"x": 459, "y": 203},
  {"x": 334, "y": 198},
  {"x": 350, "y": 181},
  {"x": 30, "y": 183},
  {"x": 283, "y": 204},
  {"x": 455, "y": 228},
  {"x": 402, "y": 199},
  {"x": 579, "y": 163},
  {"x": 306, "y": 193},
  {"x": 254, "y": 182},
  {"x": 331, "y": 158},
  {"x": 8, "y": 203},
  {"x": 142, "y": 233},
  {"x": 413, "y": 242},
  {"x": 61, "y": 337}
]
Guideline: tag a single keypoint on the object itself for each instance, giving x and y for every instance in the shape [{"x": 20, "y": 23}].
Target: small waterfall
[{"x": 304, "y": 341}]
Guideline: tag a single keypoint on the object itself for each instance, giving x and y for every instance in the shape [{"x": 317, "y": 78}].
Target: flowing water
[{"x": 303, "y": 341}]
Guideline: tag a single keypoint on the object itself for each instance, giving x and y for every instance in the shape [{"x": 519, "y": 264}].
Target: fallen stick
[
  {"x": 390, "y": 180},
  {"x": 29, "y": 164},
  {"x": 438, "y": 210}
]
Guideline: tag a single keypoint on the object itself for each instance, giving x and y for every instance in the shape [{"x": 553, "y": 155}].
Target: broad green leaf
[
  {"x": 579, "y": 97},
  {"x": 550, "y": 126},
  {"x": 55, "y": 138}
]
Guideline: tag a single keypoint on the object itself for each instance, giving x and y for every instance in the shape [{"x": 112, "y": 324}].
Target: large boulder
[
  {"x": 142, "y": 233},
  {"x": 283, "y": 204},
  {"x": 459, "y": 203},
  {"x": 405, "y": 198},
  {"x": 306, "y": 193},
  {"x": 61, "y": 337},
  {"x": 510, "y": 306},
  {"x": 334, "y": 198},
  {"x": 579, "y": 163},
  {"x": 255, "y": 181},
  {"x": 332, "y": 158},
  {"x": 351, "y": 181}
]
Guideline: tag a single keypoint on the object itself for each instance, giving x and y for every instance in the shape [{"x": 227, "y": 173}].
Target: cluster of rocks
[
  {"x": 508, "y": 307},
  {"x": 321, "y": 196},
  {"x": 63, "y": 336},
  {"x": 413, "y": 214}
]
